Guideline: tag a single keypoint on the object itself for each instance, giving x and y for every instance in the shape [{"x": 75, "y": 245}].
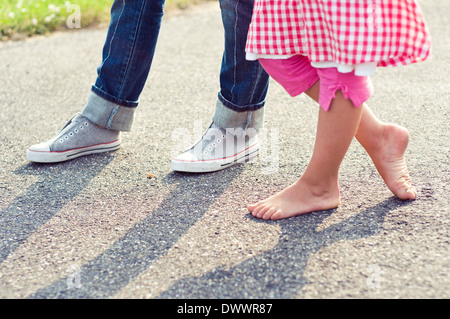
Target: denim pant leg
[
  {"x": 243, "y": 83},
  {"x": 127, "y": 56}
]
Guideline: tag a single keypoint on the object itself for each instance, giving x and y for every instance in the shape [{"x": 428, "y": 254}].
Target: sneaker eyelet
[{"x": 86, "y": 123}]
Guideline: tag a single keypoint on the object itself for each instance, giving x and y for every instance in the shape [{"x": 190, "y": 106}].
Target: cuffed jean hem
[
  {"x": 237, "y": 108},
  {"x": 226, "y": 117},
  {"x": 107, "y": 114},
  {"x": 113, "y": 99}
]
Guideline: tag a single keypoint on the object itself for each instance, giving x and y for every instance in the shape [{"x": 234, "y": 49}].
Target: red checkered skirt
[{"x": 389, "y": 32}]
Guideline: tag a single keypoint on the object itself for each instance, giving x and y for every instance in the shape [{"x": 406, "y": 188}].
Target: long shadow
[
  {"x": 57, "y": 185},
  {"x": 278, "y": 273},
  {"x": 149, "y": 239}
]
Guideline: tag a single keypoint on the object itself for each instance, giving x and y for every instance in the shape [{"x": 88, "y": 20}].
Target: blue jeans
[{"x": 128, "y": 53}]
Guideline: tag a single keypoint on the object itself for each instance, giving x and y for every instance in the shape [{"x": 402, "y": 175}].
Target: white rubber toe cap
[{"x": 42, "y": 147}]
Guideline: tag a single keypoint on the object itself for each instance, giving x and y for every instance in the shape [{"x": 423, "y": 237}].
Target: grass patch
[
  {"x": 23, "y": 18},
  {"x": 32, "y": 17}
]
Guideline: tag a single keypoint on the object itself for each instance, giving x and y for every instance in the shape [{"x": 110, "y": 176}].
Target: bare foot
[
  {"x": 389, "y": 159},
  {"x": 297, "y": 199}
]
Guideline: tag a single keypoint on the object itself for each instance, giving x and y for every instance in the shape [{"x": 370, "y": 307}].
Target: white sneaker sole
[
  {"x": 61, "y": 156},
  {"x": 213, "y": 165}
]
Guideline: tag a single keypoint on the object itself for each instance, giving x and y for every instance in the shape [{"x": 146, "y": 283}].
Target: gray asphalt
[{"x": 98, "y": 227}]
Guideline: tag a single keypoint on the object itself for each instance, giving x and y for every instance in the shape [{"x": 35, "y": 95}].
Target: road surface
[{"x": 98, "y": 227}]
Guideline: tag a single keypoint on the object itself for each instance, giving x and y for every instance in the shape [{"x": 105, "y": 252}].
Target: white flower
[
  {"x": 34, "y": 21},
  {"x": 49, "y": 18},
  {"x": 11, "y": 15}
]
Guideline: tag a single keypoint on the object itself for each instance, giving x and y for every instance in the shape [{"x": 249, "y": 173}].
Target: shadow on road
[
  {"x": 149, "y": 239},
  {"x": 58, "y": 184},
  {"x": 278, "y": 273}
]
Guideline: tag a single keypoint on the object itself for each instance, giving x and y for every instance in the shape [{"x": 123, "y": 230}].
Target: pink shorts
[{"x": 296, "y": 75}]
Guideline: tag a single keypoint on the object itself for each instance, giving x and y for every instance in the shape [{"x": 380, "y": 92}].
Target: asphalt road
[{"x": 97, "y": 227}]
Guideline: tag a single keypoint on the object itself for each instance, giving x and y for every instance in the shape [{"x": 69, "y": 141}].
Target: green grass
[{"x": 22, "y": 18}]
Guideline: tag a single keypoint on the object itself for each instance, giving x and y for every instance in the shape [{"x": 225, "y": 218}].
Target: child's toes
[
  {"x": 411, "y": 193},
  {"x": 268, "y": 214},
  {"x": 264, "y": 209}
]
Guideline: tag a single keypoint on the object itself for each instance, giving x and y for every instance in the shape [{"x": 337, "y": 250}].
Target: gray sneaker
[
  {"x": 77, "y": 138},
  {"x": 217, "y": 149}
]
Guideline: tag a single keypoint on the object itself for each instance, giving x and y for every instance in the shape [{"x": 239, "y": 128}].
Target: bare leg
[
  {"x": 386, "y": 145},
  {"x": 318, "y": 187}
]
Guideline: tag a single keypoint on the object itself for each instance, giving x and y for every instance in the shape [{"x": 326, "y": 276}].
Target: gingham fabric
[{"x": 389, "y": 32}]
